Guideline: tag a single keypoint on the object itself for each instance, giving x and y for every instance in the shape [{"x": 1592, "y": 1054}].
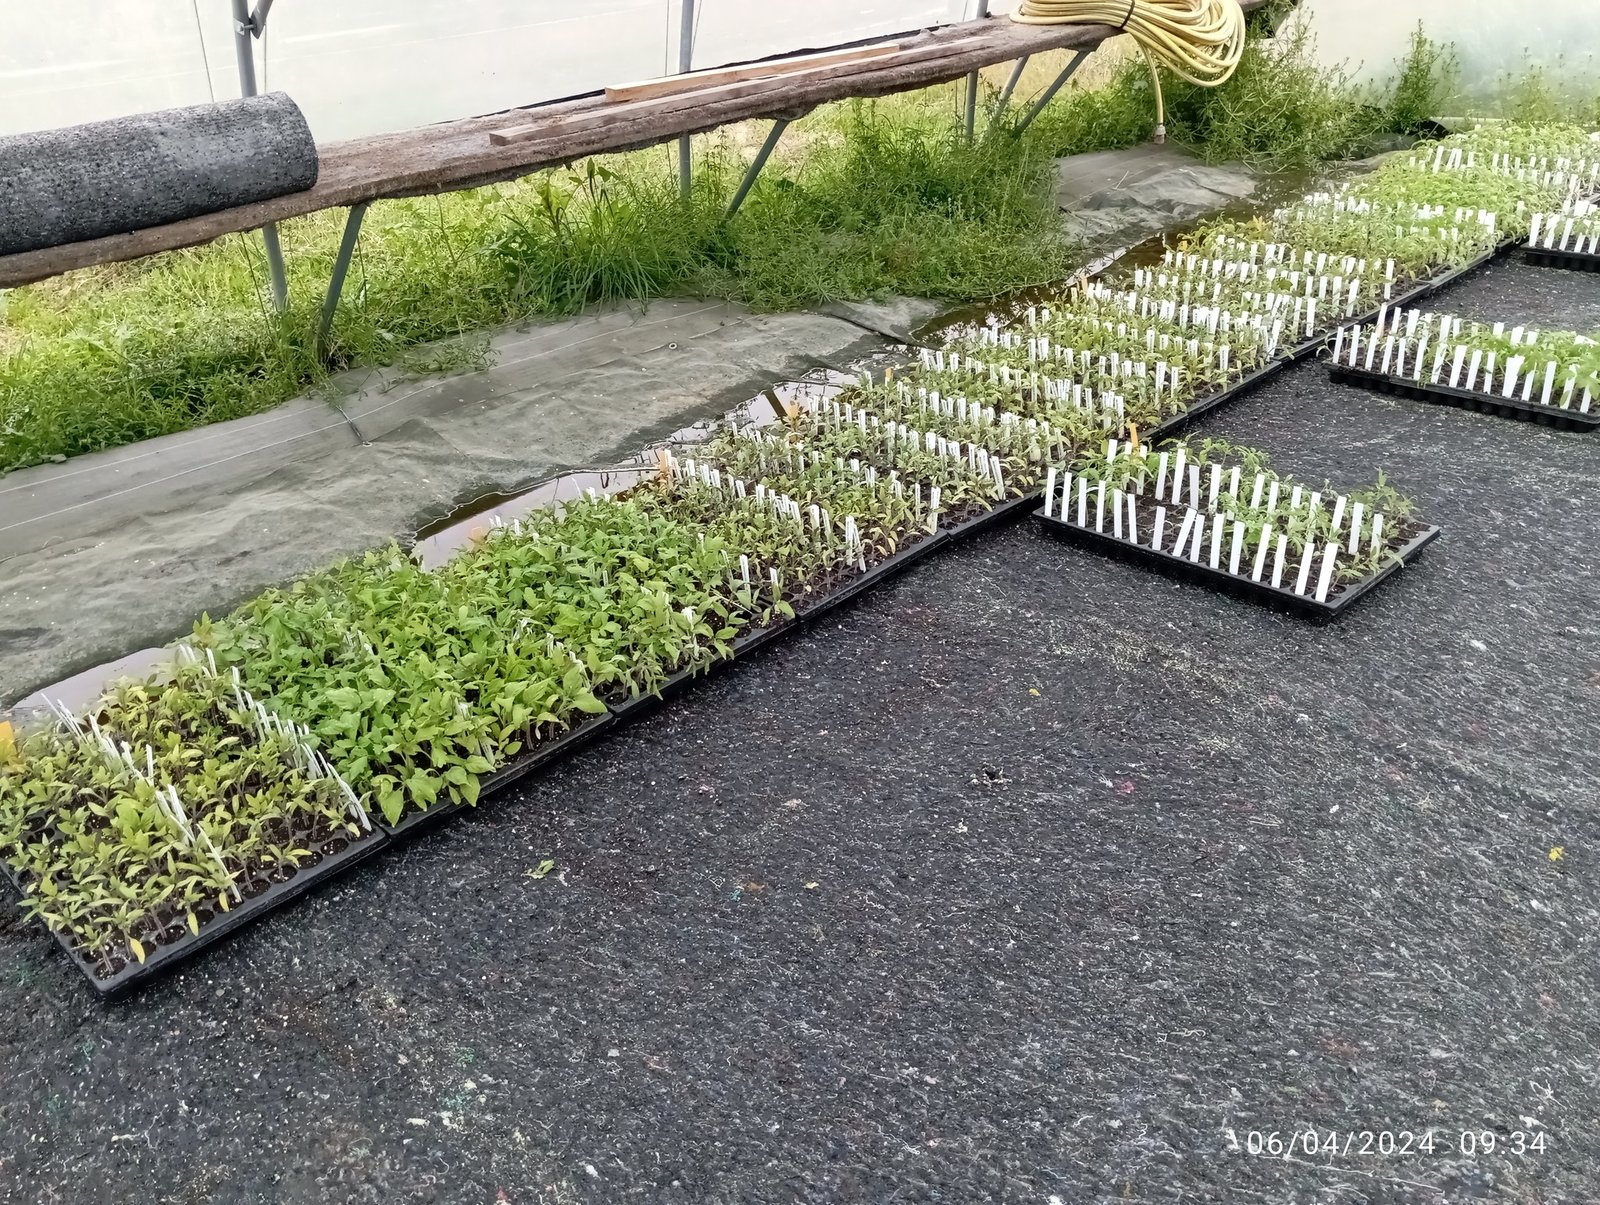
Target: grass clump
[
  {"x": 886, "y": 199},
  {"x": 1283, "y": 109}
]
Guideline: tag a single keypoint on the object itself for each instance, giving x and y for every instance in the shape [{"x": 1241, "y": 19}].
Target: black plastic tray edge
[
  {"x": 1181, "y": 421},
  {"x": 519, "y": 767},
  {"x": 1571, "y": 261},
  {"x": 993, "y": 517},
  {"x": 1464, "y": 399},
  {"x": 675, "y": 684},
  {"x": 165, "y": 957},
  {"x": 1411, "y": 296},
  {"x": 882, "y": 571},
  {"x": 1258, "y": 592}
]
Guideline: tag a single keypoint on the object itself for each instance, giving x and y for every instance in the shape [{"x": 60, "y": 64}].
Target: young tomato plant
[
  {"x": 1223, "y": 507},
  {"x": 169, "y": 803}
]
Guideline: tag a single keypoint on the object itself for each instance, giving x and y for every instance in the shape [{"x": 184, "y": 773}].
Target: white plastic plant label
[
  {"x": 1183, "y": 532},
  {"x": 1262, "y": 549},
  {"x": 1304, "y": 574},
  {"x": 1278, "y": 557},
  {"x": 1197, "y": 542},
  {"x": 1330, "y": 557}
]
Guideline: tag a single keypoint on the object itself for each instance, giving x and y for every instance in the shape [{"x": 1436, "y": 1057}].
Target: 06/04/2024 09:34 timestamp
[{"x": 1313, "y": 1143}]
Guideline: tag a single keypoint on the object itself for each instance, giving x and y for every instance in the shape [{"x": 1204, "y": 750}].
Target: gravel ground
[{"x": 1031, "y": 877}]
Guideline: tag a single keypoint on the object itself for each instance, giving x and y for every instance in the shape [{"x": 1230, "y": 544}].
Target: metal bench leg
[
  {"x": 778, "y": 127},
  {"x": 341, "y": 268},
  {"x": 974, "y": 79},
  {"x": 1049, "y": 93},
  {"x": 1011, "y": 86},
  {"x": 685, "y": 64}
]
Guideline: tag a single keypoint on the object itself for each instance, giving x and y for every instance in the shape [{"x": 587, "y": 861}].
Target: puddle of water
[
  {"x": 82, "y": 689},
  {"x": 1005, "y": 309},
  {"x": 466, "y": 524}
]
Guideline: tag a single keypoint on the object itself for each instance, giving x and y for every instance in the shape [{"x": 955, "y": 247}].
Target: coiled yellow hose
[{"x": 1198, "y": 40}]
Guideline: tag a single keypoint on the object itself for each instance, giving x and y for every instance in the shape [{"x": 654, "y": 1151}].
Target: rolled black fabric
[{"x": 110, "y": 177}]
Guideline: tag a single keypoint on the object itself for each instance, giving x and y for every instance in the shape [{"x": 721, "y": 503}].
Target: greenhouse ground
[
  {"x": 1029, "y": 877},
  {"x": 118, "y": 550}
]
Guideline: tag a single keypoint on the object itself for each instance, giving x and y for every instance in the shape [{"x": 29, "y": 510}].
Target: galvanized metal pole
[
  {"x": 685, "y": 64},
  {"x": 244, "y": 29},
  {"x": 973, "y": 80},
  {"x": 1049, "y": 93},
  {"x": 341, "y": 268},
  {"x": 1011, "y": 85},
  {"x": 778, "y": 127}
]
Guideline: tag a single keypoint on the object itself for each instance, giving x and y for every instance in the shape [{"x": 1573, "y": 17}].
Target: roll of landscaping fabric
[{"x": 110, "y": 177}]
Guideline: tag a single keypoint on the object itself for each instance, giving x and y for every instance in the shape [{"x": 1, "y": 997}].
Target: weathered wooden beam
[
  {"x": 540, "y": 126},
  {"x": 692, "y": 81},
  {"x": 642, "y": 110},
  {"x": 458, "y": 154}
]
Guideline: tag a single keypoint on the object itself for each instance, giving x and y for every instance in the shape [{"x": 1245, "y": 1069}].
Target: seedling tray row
[
  {"x": 1572, "y": 261},
  {"x": 427, "y": 682},
  {"x": 1519, "y": 374},
  {"x": 1569, "y": 239},
  {"x": 1465, "y": 399},
  {"x": 1270, "y": 540},
  {"x": 1236, "y": 585},
  {"x": 183, "y": 945}
]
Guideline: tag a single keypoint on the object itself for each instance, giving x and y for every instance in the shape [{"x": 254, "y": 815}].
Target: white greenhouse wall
[
  {"x": 1491, "y": 36},
  {"x": 367, "y": 66}
]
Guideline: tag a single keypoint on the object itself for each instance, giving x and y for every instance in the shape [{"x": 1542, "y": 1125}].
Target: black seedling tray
[
  {"x": 1572, "y": 261},
  {"x": 882, "y": 571},
  {"x": 1242, "y": 587},
  {"x": 993, "y": 517},
  {"x": 168, "y": 954},
  {"x": 1410, "y": 297},
  {"x": 671, "y": 686},
  {"x": 521, "y": 766},
  {"x": 1179, "y": 422},
  {"x": 1466, "y": 399},
  {"x": 676, "y": 684}
]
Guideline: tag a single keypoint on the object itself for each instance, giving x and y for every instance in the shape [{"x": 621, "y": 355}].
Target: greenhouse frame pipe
[
  {"x": 258, "y": 19},
  {"x": 341, "y": 268},
  {"x": 973, "y": 80},
  {"x": 767, "y": 147},
  {"x": 685, "y": 63},
  {"x": 245, "y": 27},
  {"x": 1049, "y": 93}
]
